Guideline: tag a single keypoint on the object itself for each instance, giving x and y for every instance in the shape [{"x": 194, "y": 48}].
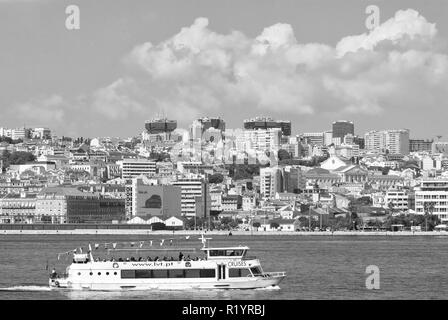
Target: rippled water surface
[{"x": 317, "y": 267}]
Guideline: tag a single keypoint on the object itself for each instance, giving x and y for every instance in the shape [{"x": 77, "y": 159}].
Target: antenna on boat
[{"x": 204, "y": 240}]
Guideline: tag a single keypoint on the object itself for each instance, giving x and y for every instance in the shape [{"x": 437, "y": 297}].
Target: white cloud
[
  {"x": 201, "y": 72},
  {"x": 204, "y": 72},
  {"x": 43, "y": 109},
  {"x": 405, "y": 24}
]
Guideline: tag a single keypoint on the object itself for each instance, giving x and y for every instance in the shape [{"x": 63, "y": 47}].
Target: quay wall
[{"x": 221, "y": 233}]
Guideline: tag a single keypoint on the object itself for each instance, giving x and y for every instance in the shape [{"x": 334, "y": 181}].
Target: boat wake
[
  {"x": 26, "y": 288},
  {"x": 269, "y": 288}
]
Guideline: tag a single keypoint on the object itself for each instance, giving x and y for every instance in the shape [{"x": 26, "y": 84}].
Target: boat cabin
[
  {"x": 81, "y": 258},
  {"x": 225, "y": 253}
]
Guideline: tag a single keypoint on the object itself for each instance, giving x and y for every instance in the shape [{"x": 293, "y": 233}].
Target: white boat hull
[{"x": 171, "y": 284}]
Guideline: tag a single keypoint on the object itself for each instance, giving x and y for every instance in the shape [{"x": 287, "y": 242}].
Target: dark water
[{"x": 413, "y": 267}]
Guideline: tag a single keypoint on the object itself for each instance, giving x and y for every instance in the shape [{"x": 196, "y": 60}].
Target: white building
[
  {"x": 433, "y": 192},
  {"x": 392, "y": 141},
  {"x": 135, "y": 167},
  {"x": 270, "y": 181},
  {"x": 258, "y": 140},
  {"x": 194, "y": 195},
  {"x": 397, "y": 198}
]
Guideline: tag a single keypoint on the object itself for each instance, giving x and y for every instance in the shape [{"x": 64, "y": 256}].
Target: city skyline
[{"x": 120, "y": 68}]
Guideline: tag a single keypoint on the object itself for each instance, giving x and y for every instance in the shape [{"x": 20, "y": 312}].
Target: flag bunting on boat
[{"x": 141, "y": 244}]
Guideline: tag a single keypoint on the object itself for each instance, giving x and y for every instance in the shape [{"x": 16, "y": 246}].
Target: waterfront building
[
  {"x": 18, "y": 208},
  {"x": 432, "y": 192},
  {"x": 155, "y": 200},
  {"x": 70, "y": 205},
  {"x": 397, "y": 198}
]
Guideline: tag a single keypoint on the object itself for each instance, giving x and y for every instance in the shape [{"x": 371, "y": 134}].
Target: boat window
[
  {"x": 192, "y": 273},
  {"x": 127, "y": 274},
  {"x": 176, "y": 273},
  {"x": 143, "y": 274},
  {"x": 255, "y": 270},
  {"x": 238, "y": 272},
  {"x": 207, "y": 273},
  {"x": 216, "y": 253},
  {"x": 160, "y": 273},
  {"x": 223, "y": 253}
]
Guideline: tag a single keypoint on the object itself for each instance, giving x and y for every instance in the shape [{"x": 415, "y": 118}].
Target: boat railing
[
  {"x": 268, "y": 274},
  {"x": 249, "y": 258}
]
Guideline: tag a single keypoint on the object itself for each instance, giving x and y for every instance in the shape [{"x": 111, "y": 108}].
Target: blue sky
[{"x": 238, "y": 59}]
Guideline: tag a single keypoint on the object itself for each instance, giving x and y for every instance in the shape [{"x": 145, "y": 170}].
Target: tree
[
  {"x": 216, "y": 178},
  {"x": 274, "y": 225},
  {"x": 17, "y": 157},
  {"x": 283, "y": 155},
  {"x": 256, "y": 225}
]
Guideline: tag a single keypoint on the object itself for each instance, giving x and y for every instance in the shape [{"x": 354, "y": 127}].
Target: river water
[{"x": 317, "y": 267}]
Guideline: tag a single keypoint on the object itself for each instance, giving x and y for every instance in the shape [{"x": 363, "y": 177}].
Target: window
[
  {"x": 176, "y": 273},
  {"x": 207, "y": 273},
  {"x": 159, "y": 273},
  {"x": 192, "y": 273},
  {"x": 127, "y": 274},
  {"x": 238, "y": 272},
  {"x": 255, "y": 270},
  {"x": 143, "y": 274}
]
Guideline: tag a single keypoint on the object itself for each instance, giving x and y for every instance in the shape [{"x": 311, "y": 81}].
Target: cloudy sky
[{"x": 308, "y": 61}]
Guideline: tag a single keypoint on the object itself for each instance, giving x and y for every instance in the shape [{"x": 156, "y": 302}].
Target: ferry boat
[{"x": 217, "y": 268}]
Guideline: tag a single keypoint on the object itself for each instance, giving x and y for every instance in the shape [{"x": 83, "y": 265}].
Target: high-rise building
[
  {"x": 160, "y": 125},
  {"x": 388, "y": 141},
  {"x": 343, "y": 127},
  {"x": 196, "y": 200},
  {"x": 270, "y": 181},
  {"x": 268, "y": 123},
  {"x": 417, "y": 145},
  {"x": 258, "y": 140},
  {"x": 313, "y": 138}
]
